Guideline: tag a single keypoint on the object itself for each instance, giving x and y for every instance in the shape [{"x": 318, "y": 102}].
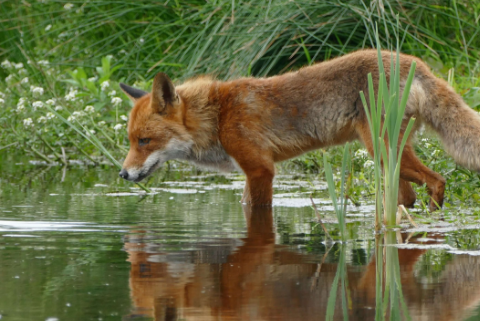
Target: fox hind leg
[
  {"x": 406, "y": 194},
  {"x": 412, "y": 170}
]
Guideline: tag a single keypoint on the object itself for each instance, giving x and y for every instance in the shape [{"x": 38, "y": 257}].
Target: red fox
[{"x": 250, "y": 123}]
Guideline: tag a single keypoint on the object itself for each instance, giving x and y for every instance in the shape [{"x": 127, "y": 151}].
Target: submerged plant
[
  {"x": 388, "y": 287},
  {"x": 340, "y": 281}
]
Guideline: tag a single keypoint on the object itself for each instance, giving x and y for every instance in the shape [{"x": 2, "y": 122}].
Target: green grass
[{"x": 227, "y": 38}]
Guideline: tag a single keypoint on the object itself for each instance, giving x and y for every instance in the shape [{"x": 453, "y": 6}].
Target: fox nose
[{"x": 123, "y": 174}]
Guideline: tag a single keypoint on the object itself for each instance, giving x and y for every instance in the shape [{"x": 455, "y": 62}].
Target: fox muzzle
[{"x": 123, "y": 174}]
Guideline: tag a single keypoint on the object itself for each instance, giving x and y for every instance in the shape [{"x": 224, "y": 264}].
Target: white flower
[
  {"x": 436, "y": 152},
  {"x": 22, "y": 101},
  {"x": 21, "y": 104},
  {"x": 36, "y": 91},
  {"x": 28, "y": 122},
  {"x": 71, "y": 118},
  {"x": 37, "y": 104},
  {"x": 2, "y": 95},
  {"x": 50, "y": 116},
  {"x": 48, "y": 27},
  {"x": 78, "y": 114},
  {"x": 92, "y": 131},
  {"x": 361, "y": 153},
  {"x": 72, "y": 95},
  {"x": 68, "y": 6},
  {"x": 24, "y": 80},
  {"x": 368, "y": 164},
  {"x": 6, "y": 64},
  {"x": 42, "y": 120},
  {"x": 116, "y": 101},
  {"x": 58, "y": 108},
  {"x": 18, "y": 66},
  {"x": 90, "y": 109},
  {"x": 118, "y": 127},
  {"x": 23, "y": 72},
  {"x": 123, "y": 117},
  {"x": 2, "y": 101},
  {"x": 9, "y": 78},
  {"x": 105, "y": 85},
  {"x": 93, "y": 79},
  {"x": 50, "y": 102},
  {"x": 112, "y": 93},
  {"x": 45, "y": 63},
  {"x": 142, "y": 40},
  {"x": 101, "y": 123}
]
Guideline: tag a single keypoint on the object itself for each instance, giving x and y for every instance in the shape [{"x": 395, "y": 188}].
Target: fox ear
[
  {"x": 163, "y": 93},
  {"x": 133, "y": 93}
]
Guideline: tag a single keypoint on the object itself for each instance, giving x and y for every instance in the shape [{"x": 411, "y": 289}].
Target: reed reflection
[{"x": 254, "y": 278}]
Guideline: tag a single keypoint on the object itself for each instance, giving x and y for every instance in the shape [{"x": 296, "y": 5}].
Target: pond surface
[{"x": 80, "y": 244}]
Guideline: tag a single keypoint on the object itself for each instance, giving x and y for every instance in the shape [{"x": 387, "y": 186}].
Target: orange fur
[{"x": 251, "y": 123}]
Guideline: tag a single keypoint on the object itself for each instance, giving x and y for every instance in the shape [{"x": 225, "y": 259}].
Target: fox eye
[{"x": 143, "y": 141}]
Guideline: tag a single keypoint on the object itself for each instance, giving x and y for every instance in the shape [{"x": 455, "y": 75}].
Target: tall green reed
[
  {"x": 385, "y": 119},
  {"x": 339, "y": 202}
]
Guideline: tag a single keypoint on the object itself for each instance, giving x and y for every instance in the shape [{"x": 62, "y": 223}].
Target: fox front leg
[
  {"x": 258, "y": 189},
  {"x": 259, "y": 186},
  {"x": 246, "y": 194}
]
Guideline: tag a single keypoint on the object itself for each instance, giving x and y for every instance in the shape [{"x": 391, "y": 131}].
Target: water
[{"x": 80, "y": 244}]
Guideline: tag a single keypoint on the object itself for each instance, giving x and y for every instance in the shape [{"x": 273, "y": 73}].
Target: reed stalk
[
  {"x": 386, "y": 119},
  {"x": 339, "y": 202}
]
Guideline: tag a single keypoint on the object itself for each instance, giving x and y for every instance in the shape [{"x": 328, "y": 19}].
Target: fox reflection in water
[{"x": 257, "y": 279}]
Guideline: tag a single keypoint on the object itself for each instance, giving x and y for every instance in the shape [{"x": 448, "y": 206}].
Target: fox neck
[{"x": 199, "y": 114}]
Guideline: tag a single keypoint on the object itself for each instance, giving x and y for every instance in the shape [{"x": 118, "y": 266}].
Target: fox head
[{"x": 155, "y": 129}]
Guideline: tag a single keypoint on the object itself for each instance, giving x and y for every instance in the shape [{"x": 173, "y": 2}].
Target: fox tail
[{"x": 457, "y": 124}]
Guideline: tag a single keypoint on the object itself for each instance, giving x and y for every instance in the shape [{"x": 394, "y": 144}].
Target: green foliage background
[{"x": 230, "y": 38}]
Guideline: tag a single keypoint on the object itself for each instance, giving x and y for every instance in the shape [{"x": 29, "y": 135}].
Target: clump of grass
[
  {"x": 32, "y": 113},
  {"x": 47, "y": 126},
  {"x": 228, "y": 38}
]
